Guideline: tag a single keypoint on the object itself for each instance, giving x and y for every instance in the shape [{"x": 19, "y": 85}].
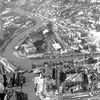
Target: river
[{"x": 7, "y": 53}]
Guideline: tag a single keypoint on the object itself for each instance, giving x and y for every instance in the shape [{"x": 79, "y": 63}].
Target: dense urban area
[{"x": 49, "y": 49}]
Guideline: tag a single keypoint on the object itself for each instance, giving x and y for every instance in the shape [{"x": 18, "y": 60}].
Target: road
[
  {"x": 26, "y": 64},
  {"x": 8, "y": 51}
]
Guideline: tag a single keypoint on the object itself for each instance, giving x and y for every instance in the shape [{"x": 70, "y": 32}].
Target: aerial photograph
[{"x": 49, "y": 49}]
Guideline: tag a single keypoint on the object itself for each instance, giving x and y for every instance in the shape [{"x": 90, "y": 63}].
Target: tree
[
  {"x": 1, "y": 42},
  {"x": 97, "y": 27}
]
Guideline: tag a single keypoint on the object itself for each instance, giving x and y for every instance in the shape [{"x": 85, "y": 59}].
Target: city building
[{"x": 56, "y": 47}]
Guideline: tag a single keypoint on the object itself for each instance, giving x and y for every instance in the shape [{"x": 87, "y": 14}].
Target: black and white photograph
[{"x": 49, "y": 49}]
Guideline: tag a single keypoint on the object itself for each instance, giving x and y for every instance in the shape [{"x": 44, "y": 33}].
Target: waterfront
[{"x": 26, "y": 64}]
